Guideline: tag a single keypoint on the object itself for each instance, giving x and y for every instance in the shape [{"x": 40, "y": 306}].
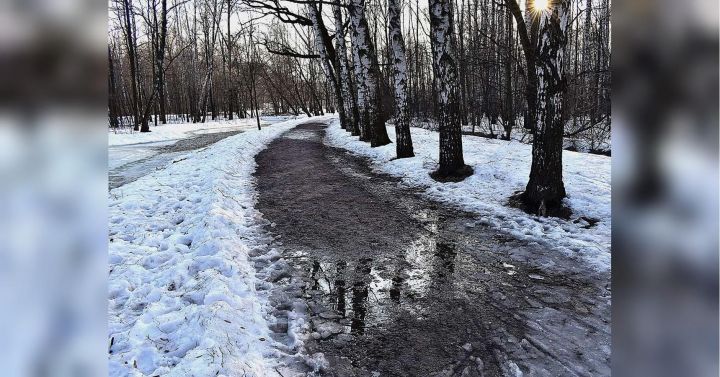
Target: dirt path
[
  {"x": 393, "y": 284},
  {"x": 160, "y": 156}
]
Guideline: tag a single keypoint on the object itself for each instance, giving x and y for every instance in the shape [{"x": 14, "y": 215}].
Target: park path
[
  {"x": 393, "y": 284},
  {"x": 128, "y": 163}
]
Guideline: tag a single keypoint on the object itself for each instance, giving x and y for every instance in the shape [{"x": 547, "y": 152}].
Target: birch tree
[
  {"x": 545, "y": 189},
  {"x": 452, "y": 165},
  {"x": 349, "y": 99},
  {"x": 361, "y": 81},
  {"x": 404, "y": 146},
  {"x": 367, "y": 72},
  {"x": 183, "y": 59}
]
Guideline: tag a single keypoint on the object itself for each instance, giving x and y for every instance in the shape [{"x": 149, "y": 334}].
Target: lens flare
[{"x": 541, "y": 5}]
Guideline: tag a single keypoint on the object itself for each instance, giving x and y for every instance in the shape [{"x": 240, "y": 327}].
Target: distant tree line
[{"x": 199, "y": 60}]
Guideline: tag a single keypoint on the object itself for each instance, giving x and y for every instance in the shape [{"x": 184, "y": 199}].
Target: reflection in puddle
[
  {"x": 445, "y": 251},
  {"x": 360, "y": 297},
  {"x": 397, "y": 283},
  {"x": 368, "y": 292},
  {"x": 340, "y": 288}
]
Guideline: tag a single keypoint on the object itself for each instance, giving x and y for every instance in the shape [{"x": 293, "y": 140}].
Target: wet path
[
  {"x": 392, "y": 284},
  {"x": 155, "y": 156}
]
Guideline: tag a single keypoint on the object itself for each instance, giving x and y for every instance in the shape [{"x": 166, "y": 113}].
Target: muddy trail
[
  {"x": 159, "y": 156},
  {"x": 389, "y": 283}
]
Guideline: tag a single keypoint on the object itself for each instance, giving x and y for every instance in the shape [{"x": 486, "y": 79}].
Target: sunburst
[{"x": 541, "y": 5}]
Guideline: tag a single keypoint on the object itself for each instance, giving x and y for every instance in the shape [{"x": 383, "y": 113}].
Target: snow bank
[
  {"x": 184, "y": 130},
  {"x": 502, "y": 168},
  {"x": 182, "y": 288}
]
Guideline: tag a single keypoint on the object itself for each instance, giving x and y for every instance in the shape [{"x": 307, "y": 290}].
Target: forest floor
[{"x": 379, "y": 280}]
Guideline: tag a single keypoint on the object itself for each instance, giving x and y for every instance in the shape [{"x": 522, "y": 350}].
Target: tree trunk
[
  {"x": 161, "y": 41},
  {"x": 330, "y": 61},
  {"x": 528, "y": 39},
  {"x": 368, "y": 77},
  {"x": 230, "y": 79},
  {"x": 112, "y": 90},
  {"x": 509, "y": 110},
  {"x": 132, "y": 57},
  {"x": 360, "y": 80},
  {"x": 404, "y": 146},
  {"x": 347, "y": 87},
  {"x": 545, "y": 189},
  {"x": 452, "y": 166}
]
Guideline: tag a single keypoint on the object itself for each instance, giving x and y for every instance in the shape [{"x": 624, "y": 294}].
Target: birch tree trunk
[
  {"x": 360, "y": 79},
  {"x": 368, "y": 76},
  {"x": 452, "y": 166},
  {"x": 349, "y": 99},
  {"x": 545, "y": 189},
  {"x": 404, "y": 146}
]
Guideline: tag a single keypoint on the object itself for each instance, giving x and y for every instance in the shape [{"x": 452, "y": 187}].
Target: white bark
[
  {"x": 399, "y": 62},
  {"x": 545, "y": 188},
  {"x": 446, "y": 88},
  {"x": 345, "y": 77},
  {"x": 366, "y": 90}
]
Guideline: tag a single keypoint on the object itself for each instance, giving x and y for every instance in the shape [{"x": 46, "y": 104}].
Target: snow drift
[{"x": 182, "y": 288}]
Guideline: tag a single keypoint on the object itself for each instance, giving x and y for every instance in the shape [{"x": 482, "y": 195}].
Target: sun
[{"x": 541, "y": 5}]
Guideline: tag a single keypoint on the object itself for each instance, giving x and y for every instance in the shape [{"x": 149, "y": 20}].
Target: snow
[
  {"x": 595, "y": 139},
  {"x": 502, "y": 168},
  {"x": 181, "y": 131},
  {"x": 183, "y": 296}
]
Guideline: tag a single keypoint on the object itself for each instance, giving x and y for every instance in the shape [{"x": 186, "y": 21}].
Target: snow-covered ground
[
  {"x": 182, "y": 287},
  {"x": 183, "y": 130},
  {"x": 128, "y": 146},
  {"x": 596, "y": 139},
  {"x": 502, "y": 168}
]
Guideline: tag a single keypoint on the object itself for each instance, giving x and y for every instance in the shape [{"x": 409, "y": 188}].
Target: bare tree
[
  {"x": 128, "y": 19},
  {"x": 159, "y": 31},
  {"x": 545, "y": 189},
  {"x": 367, "y": 72},
  {"x": 112, "y": 92},
  {"x": 404, "y": 146},
  {"x": 329, "y": 60},
  {"x": 452, "y": 165},
  {"x": 348, "y": 93},
  {"x": 168, "y": 65}
]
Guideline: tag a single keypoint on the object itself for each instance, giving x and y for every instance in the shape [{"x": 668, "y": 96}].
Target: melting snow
[
  {"x": 182, "y": 286},
  {"x": 502, "y": 168}
]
